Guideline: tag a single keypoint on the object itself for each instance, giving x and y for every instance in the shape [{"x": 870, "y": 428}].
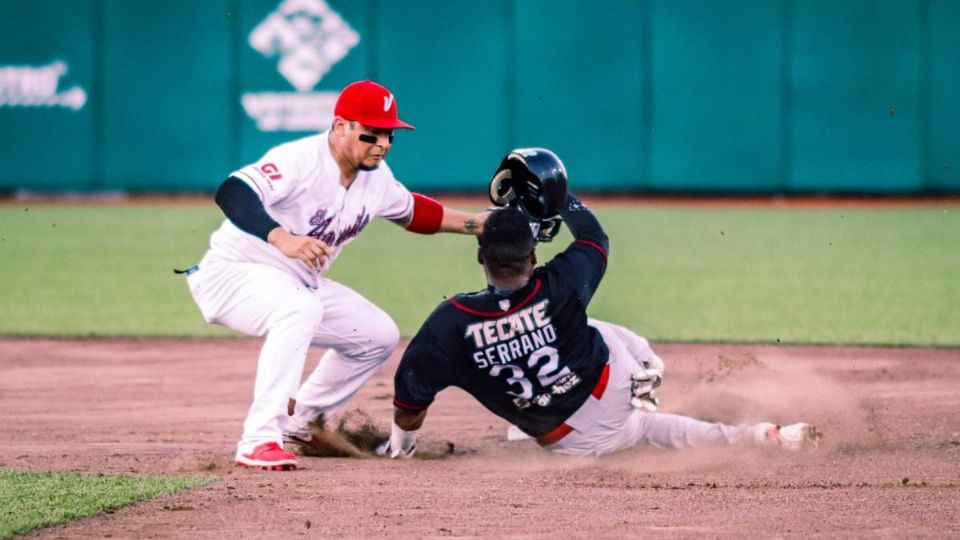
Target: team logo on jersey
[
  {"x": 308, "y": 38},
  {"x": 321, "y": 227},
  {"x": 29, "y": 86},
  {"x": 271, "y": 171}
]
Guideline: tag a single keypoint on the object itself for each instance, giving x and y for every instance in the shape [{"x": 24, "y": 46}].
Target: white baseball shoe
[{"x": 799, "y": 436}]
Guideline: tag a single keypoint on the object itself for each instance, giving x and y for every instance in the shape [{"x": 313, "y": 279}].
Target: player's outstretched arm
[
  {"x": 584, "y": 262},
  {"x": 430, "y": 217},
  {"x": 462, "y": 222},
  {"x": 583, "y": 224},
  {"x": 424, "y": 371},
  {"x": 403, "y": 434},
  {"x": 408, "y": 420}
]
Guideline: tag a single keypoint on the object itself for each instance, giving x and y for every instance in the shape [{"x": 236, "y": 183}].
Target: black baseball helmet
[{"x": 535, "y": 181}]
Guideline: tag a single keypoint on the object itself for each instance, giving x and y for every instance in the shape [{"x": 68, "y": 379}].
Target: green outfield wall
[{"x": 699, "y": 96}]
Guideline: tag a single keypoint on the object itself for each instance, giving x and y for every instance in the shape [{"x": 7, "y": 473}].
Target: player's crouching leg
[
  {"x": 380, "y": 338},
  {"x": 289, "y": 329},
  {"x": 353, "y": 356}
]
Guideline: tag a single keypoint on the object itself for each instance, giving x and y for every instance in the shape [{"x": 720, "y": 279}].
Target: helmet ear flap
[{"x": 501, "y": 188}]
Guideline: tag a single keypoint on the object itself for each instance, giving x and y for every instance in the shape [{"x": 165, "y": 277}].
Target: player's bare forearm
[
  {"x": 428, "y": 216},
  {"x": 408, "y": 420},
  {"x": 458, "y": 221}
]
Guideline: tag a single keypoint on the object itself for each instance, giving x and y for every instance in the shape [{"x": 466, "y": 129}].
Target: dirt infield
[{"x": 890, "y": 465}]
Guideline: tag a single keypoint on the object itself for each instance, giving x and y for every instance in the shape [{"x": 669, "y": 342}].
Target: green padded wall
[
  {"x": 166, "y": 115},
  {"x": 717, "y": 95},
  {"x": 691, "y": 96},
  {"x": 578, "y": 88},
  {"x": 445, "y": 61},
  {"x": 48, "y": 147},
  {"x": 941, "y": 86},
  {"x": 854, "y": 99}
]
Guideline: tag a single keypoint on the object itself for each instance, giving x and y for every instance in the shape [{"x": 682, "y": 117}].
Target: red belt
[{"x": 563, "y": 430}]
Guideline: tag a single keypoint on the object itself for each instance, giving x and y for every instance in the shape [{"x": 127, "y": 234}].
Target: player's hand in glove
[
  {"x": 643, "y": 383},
  {"x": 402, "y": 444},
  {"x": 649, "y": 374}
]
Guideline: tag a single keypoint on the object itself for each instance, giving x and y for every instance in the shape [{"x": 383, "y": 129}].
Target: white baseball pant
[
  {"x": 611, "y": 423},
  {"x": 263, "y": 301}
]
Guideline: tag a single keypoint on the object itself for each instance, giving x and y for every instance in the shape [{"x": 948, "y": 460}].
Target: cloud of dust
[
  {"x": 746, "y": 390},
  {"x": 731, "y": 389}
]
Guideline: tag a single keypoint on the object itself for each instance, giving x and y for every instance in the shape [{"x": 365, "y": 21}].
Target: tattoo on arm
[{"x": 471, "y": 225}]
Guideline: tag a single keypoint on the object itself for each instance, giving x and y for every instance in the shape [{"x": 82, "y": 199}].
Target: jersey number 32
[{"x": 548, "y": 374}]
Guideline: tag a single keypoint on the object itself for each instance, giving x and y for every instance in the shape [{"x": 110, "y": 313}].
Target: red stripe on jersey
[
  {"x": 602, "y": 383},
  {"x": 558, "y": 433},
  {"x": 401, "y": 405},
  {"x": 461, "y": 307},
  {"x": 594, "y": 245},
  {"x": 564, "y": 429}
]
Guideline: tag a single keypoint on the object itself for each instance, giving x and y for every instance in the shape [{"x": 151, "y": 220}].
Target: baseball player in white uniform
[{"x": 288, "y": 217}]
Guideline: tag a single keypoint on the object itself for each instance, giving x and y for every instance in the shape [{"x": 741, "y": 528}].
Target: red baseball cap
[{"x": 371, "y": 104}]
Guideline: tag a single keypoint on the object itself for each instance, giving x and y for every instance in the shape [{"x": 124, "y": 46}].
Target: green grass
[
  {"x": 856, "y": 276},
  {"x": 880, "y": 276},
  {"x": 101, "y": 270},
  {"x": 31, "y": 500}
]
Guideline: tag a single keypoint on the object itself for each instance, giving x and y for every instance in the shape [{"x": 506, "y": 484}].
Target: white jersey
[{"x": 299, "y": 185}]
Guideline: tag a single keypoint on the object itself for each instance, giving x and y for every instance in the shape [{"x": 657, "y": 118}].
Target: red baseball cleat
[{"x": 268, "y": 456}]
